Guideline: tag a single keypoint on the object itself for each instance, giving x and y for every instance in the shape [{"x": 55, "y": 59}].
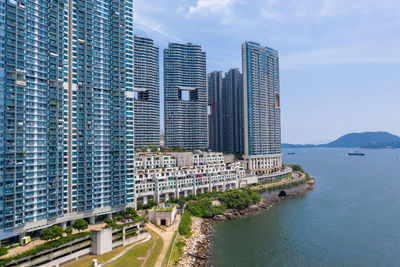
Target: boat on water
[
  {"x": 356, "y": 153},
  {"x": 291, "y": 153}
]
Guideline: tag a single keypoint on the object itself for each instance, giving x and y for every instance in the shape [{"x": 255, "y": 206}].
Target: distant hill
[{"x": 373, "y": 140}]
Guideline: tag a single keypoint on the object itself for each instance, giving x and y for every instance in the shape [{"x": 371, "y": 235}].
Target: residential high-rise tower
[
  {"x": 261, "y": 107},
  {"x": 233, "y": 111},
  {"x": 216, "y": 112},
  {"x": 185, "y": 96},
  {"x": 147, "y": 93},
  {"x": 67, "y": 89}
]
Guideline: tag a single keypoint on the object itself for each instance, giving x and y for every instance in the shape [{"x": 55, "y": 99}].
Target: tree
[
  {"x": 58, "y": 231},
  {"x": 119, "y": 218},
  {"x": 109, "y": 222},
  {"x": 3, "y": 250},
  {"x": 181, "y": 202},
  {"x": 153, "y": 148},
  {"x": 131, "y": 212},
  {"x": 68, "y": 230},
  {"x": 47, "y": 234},
  {"x": 80, "y": 225}
]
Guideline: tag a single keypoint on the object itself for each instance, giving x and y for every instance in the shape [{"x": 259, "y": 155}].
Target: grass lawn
[
  {"x": 146, "y": 253},
  {"x": 177, "y": 251},
  {"x": 87, "y": 261}
]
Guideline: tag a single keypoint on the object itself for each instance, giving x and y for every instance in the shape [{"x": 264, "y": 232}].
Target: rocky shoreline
[{"x": 198, "y": 247}]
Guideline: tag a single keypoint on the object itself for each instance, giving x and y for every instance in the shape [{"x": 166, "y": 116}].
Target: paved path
[
  {"x": 167, "y": 236},
  {"x": 126, "y": 250},
  {"x": 296, "y": 177}
]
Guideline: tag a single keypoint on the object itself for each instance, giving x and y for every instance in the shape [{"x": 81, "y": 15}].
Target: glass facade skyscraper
[
  {"x": 261, "y": 108},
  {"x": 216, "y": 113},
  {"x": 147, "y": 93},
  {"x": 185, "y": 96},
  {"x": 67, "y": 88},
  {"x": 225, "y": 100},
  {"x": 233, "y": 111}
]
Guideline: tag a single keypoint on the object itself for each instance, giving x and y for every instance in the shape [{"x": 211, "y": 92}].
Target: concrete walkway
[
  {"x": 167, "y": 236},
  {"x": 149, "y": 236},
  {"x": 295, "y": 178}
]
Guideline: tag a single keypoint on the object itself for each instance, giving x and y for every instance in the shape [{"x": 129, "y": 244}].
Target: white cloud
[{"x": 203, "y": 7}]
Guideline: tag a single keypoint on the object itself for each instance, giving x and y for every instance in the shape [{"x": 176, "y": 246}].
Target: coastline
[{"x": 197, "y": 251}]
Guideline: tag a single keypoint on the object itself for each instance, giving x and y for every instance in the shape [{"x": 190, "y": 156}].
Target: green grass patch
[
  {"x": 177, "y": 251},
  {"x": 185, "y": 225},
  {"x": 141, "y": 251}
]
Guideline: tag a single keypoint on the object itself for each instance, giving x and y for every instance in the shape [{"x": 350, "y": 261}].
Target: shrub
[
  {"x": 68, "y": 230},
  {"x": 239, "y": 199},
  {"x": 131, "y": 212},
  {"x": 3, "y": 250},
  {"x": 119, "y": 218},
  {"x": 185, "y": 225},
  {"x": 296, "y": 167},
  {"x": 109, "y": 222},
  {"x": 203, "y": 208}
]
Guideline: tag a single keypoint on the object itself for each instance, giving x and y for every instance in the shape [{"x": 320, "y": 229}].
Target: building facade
[
  {"x": 67, "y": 89},
  {"x": 261, "y": 107},
  {"x": 216, "y": 111},
  {"x": 233, "y": 111},
  {"x": 164, "y": 175},
  {"x": 147, "y": 93},
  {"x": 225, "y": 119},
  {"x": 185, "y": 96}
]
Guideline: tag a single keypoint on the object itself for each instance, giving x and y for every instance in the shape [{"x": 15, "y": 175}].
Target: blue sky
[{"x": 340, "y": 59}]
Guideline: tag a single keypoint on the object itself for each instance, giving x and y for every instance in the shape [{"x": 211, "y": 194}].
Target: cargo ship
[{"x": 356, "y": 153}]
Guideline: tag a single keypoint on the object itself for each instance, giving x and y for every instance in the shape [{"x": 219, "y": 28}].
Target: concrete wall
[
  {"x": 69, "y": 258},
  {"x": 289, "y": 190},
  {"x": 101, "y": 241},
  {"x": 156, "y": 216}
]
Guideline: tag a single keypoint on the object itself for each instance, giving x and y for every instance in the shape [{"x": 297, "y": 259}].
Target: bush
[
  {"x": 239, "y": 199},
  {"x": 131, "y": 212},
  {"x": 109, "y": 222},
  {"x": 68, "y": 230},
  {"x": 203, "y": 208},
  {"x": 80, "y": 225},
  {"x": 149, "y": 205},
  {"x": 296, "y": 168},
  {"x": 185, "y": 225},
  {"x": 3, "y": 250},
  {"x": 119, "y": 218}
]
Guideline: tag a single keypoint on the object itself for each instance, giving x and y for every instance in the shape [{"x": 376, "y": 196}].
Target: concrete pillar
[
  {"x": 123, "y": 235},
  {"x": 144, "y": 200},
  {"x": 185, "y": 193},
  {"x": 101, "y": 241},
  {"x": 109, "y": 216},
  {"x": 166, "y": 196},
  {"x": 64, "y": 225},
  {"x": 92, "y": 220}
]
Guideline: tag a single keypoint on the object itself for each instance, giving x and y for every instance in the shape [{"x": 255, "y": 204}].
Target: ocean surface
[{"x": 352, "y": 218}]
